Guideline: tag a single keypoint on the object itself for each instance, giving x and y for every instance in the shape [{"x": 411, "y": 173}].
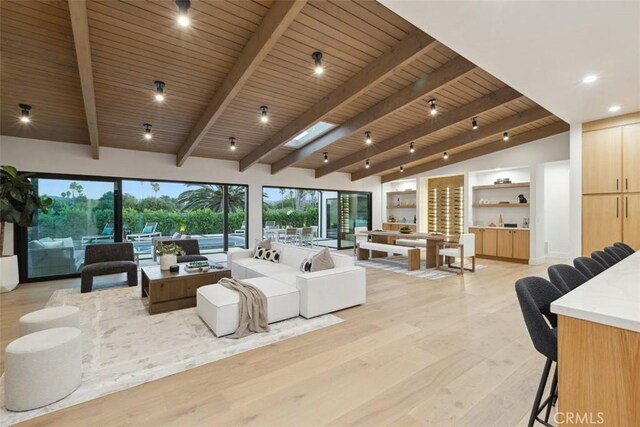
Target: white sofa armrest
[
  {"x": 237, "y": 253},
  {"x": 326, "y": 291}
]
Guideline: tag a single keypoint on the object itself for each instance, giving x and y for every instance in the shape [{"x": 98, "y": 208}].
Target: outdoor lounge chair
[
  {"x": 105, "y": 236},
  {"x": 148, "y": 232}
]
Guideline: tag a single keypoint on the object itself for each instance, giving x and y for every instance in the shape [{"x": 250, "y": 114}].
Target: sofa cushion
[
  {"x": 52, "y": 245},
  {"x": 269, "y": 269},
  {"x": 109, "y": 267},
  {"x": 322, "y": 261}
]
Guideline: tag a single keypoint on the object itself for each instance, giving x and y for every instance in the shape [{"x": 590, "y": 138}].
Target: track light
[
  {"x": 401, "y": 169},
  {"x": 232, "y": 143},
  {"x": 505, "y": 136},
  {"x": 264, "y": 114},
  {"x": 474, "y": 123},
  {"x": 367, "y": 137},
  {"x": 317, "y": 61},
  {"x": 326, "y": 156},
  {"x": 24, "y": 113},
  {"x": 445, "y": 155},
  {"x": 411, "y": 148},
  {"x": 147, "y": 131},
  {"x": 183, "y": 12},
  {"x": 159, "y": 90},
  {"x": 366, "y": 164},
  {"x": 433, "y": 109}
]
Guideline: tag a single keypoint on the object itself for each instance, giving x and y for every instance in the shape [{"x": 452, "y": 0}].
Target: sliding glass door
[
  {"x": 98, "y": 210},
  {"x": 83, "y": 212}
]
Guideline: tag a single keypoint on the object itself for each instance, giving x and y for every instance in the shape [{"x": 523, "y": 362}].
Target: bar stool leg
[
  {"x": 552, "y": 395},
  {"x": 539, "y": 393}
]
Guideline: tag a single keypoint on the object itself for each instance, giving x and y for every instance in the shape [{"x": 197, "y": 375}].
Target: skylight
[{"x": 306, "y": 136}]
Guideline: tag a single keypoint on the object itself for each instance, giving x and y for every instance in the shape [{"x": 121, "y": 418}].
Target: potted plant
[
  {"x": 19, "y": 203},
  {"x": 168, "y": 254}
]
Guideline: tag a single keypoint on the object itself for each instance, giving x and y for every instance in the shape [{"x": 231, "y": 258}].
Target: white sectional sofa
[{"x": 320, "y": 292}]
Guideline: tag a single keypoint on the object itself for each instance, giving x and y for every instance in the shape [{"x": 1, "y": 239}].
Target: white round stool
[
  {"x": 42, "y": 368},
  {"x": 51, "y": 317}
]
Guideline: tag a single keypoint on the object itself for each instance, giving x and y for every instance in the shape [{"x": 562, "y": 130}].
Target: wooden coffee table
[{"x": 172, "y": 291}]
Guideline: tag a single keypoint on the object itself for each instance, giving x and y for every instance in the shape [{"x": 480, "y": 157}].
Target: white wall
[
  {"x": 557, "y": 209},
  {"x": 55, "y": 157}
]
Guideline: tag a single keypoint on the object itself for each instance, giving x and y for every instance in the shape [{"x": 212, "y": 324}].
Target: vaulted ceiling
[{"x": 88, "y": 68}]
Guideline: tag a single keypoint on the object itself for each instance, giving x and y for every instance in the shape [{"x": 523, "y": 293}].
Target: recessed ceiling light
[
  {"x": 232, "y": 143},
  {"x": 367, "y": 137},
  {"x": 505, "y": 136},
  {"x": 590, "y": 78},
  {"x": 264, "y": 114},
  {"x": 474, "y": 123},
  {"x": 317, "y": 62},
  {"x": 24, "y": 113},
  {"x": 367, "y": 164},
  {"x": 433, "y": 109},
  {"x": 401, "y": 169},
  {"x": 614, "y": 108},
  {"x": 326, "y": 156},
  {"x": 412, "y": 148},
  {"x": 445, "y": 155},
  {"x": 183, "y": 12}
]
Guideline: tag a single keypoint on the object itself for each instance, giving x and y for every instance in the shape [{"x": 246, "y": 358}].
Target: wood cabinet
[
  {"x": 505, "y": 243},
  {"x": 611, "y": 182},
  {"x": 631, "y": 158},
  {"x": 490, "y": 242},
  {"x": 521, "y": 244},
  {"x": 602, "y": 157},
  {"x": 502, "y": 243},
  {"x": 601, "y": 221},
  {"x": 631, "y": 220},
  {"x": 387, "y": 226}
]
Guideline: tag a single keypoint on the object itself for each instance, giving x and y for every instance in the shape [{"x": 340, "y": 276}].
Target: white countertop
[
  {"x": 611, "y": 298},
  {"x": 499, "y": 228}
]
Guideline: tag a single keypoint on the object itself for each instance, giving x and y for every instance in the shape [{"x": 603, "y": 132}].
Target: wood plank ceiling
[{"x": 379, "y": 73}]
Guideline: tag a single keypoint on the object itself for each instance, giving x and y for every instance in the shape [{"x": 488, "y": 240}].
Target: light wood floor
[{"x": 452, "y": 351}]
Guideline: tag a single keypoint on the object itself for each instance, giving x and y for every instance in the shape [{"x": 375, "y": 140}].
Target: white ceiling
[{"x": 544, "y": 48}]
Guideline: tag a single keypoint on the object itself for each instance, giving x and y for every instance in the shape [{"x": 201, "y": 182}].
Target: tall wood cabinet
[{"x": 611, "y": 183}]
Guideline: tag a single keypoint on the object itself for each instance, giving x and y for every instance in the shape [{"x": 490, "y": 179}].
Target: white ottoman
[
  {"x": 218, "y": 306},
  {"x": 47, "y": 318},
  {"x": 42, "y": 368}
]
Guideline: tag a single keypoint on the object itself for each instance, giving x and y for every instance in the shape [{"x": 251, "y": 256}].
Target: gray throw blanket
[{"x": 253, "y": 308}]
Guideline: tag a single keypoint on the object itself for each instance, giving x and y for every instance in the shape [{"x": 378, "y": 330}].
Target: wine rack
[{"x": 446, "y": 205}]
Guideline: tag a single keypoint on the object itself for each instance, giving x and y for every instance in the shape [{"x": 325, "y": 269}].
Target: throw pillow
[
  {"x": 52, "y": 245},
  {"x": 267, "y": 254},
  {"x": 322, "y": 261},
  {"x": 305, "y": 267}
]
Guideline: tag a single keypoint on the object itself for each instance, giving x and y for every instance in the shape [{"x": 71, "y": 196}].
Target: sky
[{"x": 94, "y": 189}]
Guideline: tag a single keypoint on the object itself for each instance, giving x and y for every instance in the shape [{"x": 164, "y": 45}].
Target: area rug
[
  {"x": 398, "y": 264},
  {"x": 124, "y": 346}
]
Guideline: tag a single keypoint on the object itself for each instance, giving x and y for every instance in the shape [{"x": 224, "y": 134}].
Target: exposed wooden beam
[
  {"x": 492, "y": 147},
  {"x": 441, "y": 121},
  {"x": 449, "y": 73},
  {"x": 273, "y": 25},
  {"x": 483, "y": 132},
  {"x": 407, "y": 50},
  {"x": 80, "y": 28}
]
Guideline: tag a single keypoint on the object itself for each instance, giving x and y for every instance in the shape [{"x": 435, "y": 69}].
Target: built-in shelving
[
  {"x": 497, "y": 186},
  {"x": 501, "y": 205},
  {"x": 395, "y": 193},
  {"x": 401, "y": 207}
]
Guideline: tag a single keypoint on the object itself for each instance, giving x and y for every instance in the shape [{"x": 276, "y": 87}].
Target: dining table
[
  {"x": 599, "y": 348},
  {"x": 390, "y": 237}
]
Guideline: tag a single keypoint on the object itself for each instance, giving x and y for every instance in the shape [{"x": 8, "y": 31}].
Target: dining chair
[
  {"x": 359, "y": 237},
  {"x": 464, "y": 248}
]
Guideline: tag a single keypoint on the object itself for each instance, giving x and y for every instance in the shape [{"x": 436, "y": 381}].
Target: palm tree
[
  {"x": 155, "y": 187},
  {"x": 211, "y": 196}
]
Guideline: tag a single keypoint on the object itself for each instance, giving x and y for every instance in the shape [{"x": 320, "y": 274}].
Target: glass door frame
[
  {"x": 21, "y": 238},
  {"x": 370, "y": 210}
]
